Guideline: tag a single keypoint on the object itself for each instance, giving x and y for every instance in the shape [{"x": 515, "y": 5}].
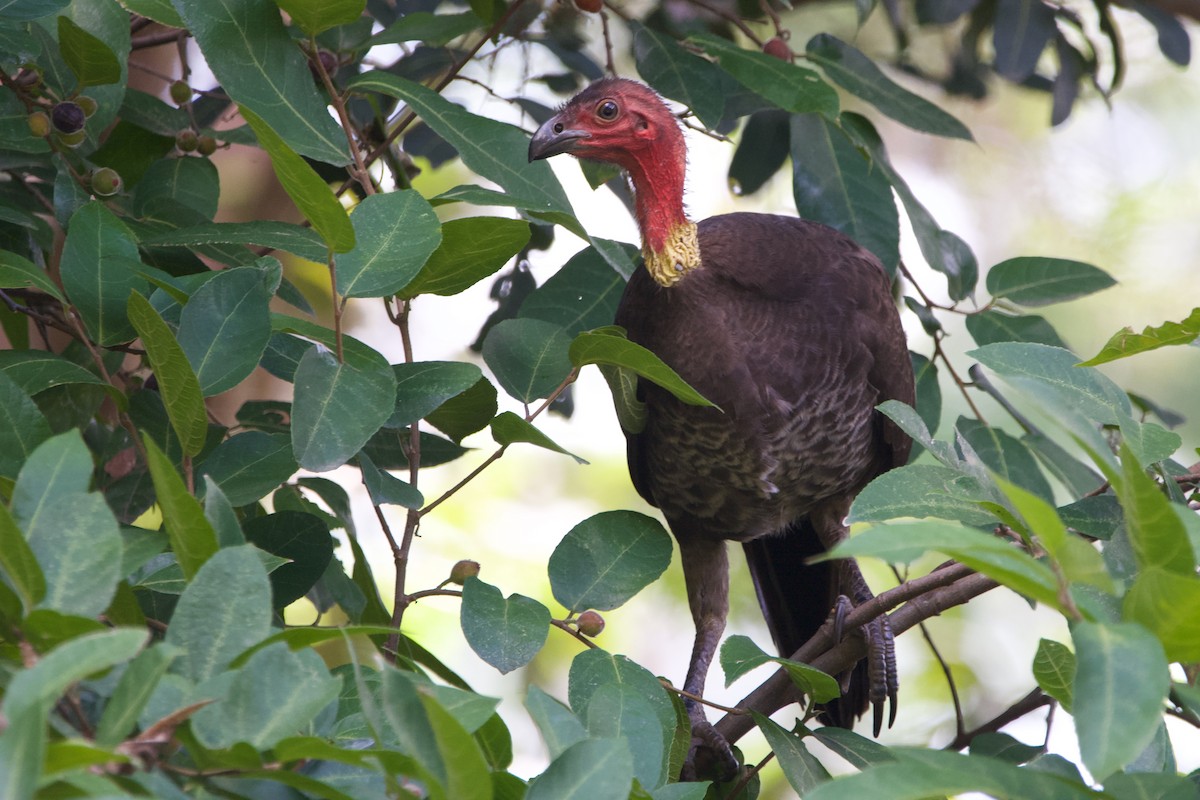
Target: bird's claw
[
  {"x": 882, "y": 678},
  {"x": 710, "y": 756}
]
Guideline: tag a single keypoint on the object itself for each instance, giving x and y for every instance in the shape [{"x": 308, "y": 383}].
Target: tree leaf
[
  {"x": 434, "y": 30},
  {"x": 922, "y": 490},
  {"x": 609, "y": 346},
  {"x": 212, "y": 624},
  {"x": 133, "y": 691},
  {"x": 788, "y": 86},
  {"x": 1021, "y": 30},
  {"x": 93, "y": 62},
  {"x": 1036, "y": 281},
  {"x": 593, "y": 769},
  {"x": 620, "y": 712},
  {"x": 801, "y": 768},
  {"x": 385, "y": 488},
  {"x": 1006, "y": 456},
  {"x": 833, "y": 183},
  {"x": 18, "y": 272},
  {"x": 739, "y": 655},
  {"x": 593, "y": 669},
  {"x": 35, "y": 371},
  {"x": 678, "y": 74},
  {"x": 988, "y": 327},
  {"x": 559, "y": 727},
  {"x": 177, "y": 383},
  {"x": 508, "y": 428},
  {"x": 258, "y": 65},
  {"x": 1121, "y": 681},
  {"x": 308, "y": 190},
  {"x": 22, "y": 427},
  {"x": 99, "y": 269},
  {"x": 22, "y": 751},
  {"x": 761, "y": 151},
  {"x": 317, "y": 16},
  {"x": 860, "y": 76},
  {"x": 467, "y": 412},
  {"x": 300, "y": 241},
  {"x": 423, "y": 386},
  {"x": 337, "y": 409},
  {"x": 1054, "y": 671},
  {"x": 19, "y": 562},
  {"x": 608, "y": 558},
  {"x": 225, "y": 326},
  {"x": 1125, "y": 342},
  {"x": 192, "y": 538},
  {"x": 505, "y": 632},
  {"x": 303, "y": 540},
  {"x": 395, "y": 233},
  {"x": 582, "y": 295},
  {"x": 1168, "y": 605},
  {"x": 192, "y": 182},
  {"x": 492, "y": 149},
  {"x": 529, "y": 357},
  {"x": 250, "y": 465},
  {"x": 471, "y": 249},
  {"x": 1157, "y": 535}
]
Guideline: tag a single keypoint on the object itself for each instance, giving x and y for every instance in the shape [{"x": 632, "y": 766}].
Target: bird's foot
[
  {"x": 883, "y": 681},
  {"x": 710, "y": 756}
]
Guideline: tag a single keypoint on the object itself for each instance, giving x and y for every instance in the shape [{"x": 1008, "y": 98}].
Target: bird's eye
[{"x": 607, "y": 110}]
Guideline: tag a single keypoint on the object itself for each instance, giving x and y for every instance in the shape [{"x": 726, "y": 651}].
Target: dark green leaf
[
  {"x": 608, "y": 346},
  {"x": 509, "y": 428},
  {"x": 992, "y": 326},
  {"x": 192, "y": 537},
  {"x": 593, "y": 669},
  {"x": 801, "y": 768},
  {"x": 1021, "y": 30},
  {"x": 833, "y": 183},
  {"x": 505, "y": 632},
  {"x": 761, "y": 151},
  {"x": 466, "y": 412},
  {"x": 1121, "y": 681},
  {"x": 17, "y": 272},
  {"x": 99, "y": 271},
  {"x": 1035, "y": 281},
  {"x": 739, "y": 655},
  {"x": 929, "y": 393},
  {"x": 213, "y": 624},
  {"x": 593, "y": 769},
  {"x": 301, "y": 538},
  {"x": 1125, "y": 342},
  {"x": 582, "y": 295},
  {"x": 92, "y": 61},
  {"x": 385, "y": 488},
  {"x": 1053, "y": 371},
  {"x": 792, "y": 88},
  {"x": 395, "y": 233},
  {"x": 225, "y": 326},
  {"x": 859, "y": 75},
  {"x": 559, "y": 727},
  {"x": 43, "y": 683},
  {"x": 18, "y": 562},
  {"x": 337, "y": 409},
  {"x": 529, "y": 357},
  {"x": 316, "y": 16},
  {"x": 192, "y": 182},
  {"x": 250, "y": 465},
  {"x": 22, "y": 427},
  {"x": 285, "y": 236},
  {"x": 435, "y": 30},
  {"x": 471, "y": 249},
  {"x": 220, "y": 514},
  {"x": 922, "y": 490},
  {"x": 608, "y": 558},
  {"x": 678, "y": 74},
  {"x": 855, "y": 748},
  {"x": 307, "y": 189},
  {"x": 31, "y": 9},
  {"x": 247, "y": 47},
  {"x": 35, "y": 371},
  {"x": 133, "y": 691},
  {"x": 423, "y": 386},
  {"x": 1005, "y": 456},
  {"x": 178, "y": 385}
]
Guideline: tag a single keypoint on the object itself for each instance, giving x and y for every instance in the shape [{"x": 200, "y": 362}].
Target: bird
[{"x": 790, "y": 328}]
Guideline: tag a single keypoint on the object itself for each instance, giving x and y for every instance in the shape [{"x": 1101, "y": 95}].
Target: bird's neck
[{"x": 670, "y": 245}]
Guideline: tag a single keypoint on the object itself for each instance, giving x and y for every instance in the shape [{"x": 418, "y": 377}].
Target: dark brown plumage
[{"x": 790, "y": 328}]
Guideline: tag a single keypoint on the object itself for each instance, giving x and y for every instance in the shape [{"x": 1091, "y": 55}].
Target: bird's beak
[{"x": 554, "y": 138}]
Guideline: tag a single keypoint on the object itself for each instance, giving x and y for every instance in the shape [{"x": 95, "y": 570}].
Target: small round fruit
[
  {"x": 71, "y": 139},
  {"x": 68, "y": 117},
  {"x": 778, "y": 48},
  {"x": 590, "y": 6},
  {"x": 88, "y": 104},
  {"x": 106, "y": 182},
  {"x": 329, "y": 63},
  {"x": 181, "y": 93},
  {"x": 590, "y": 623},
  {"x": 39, "y": 123},
  {"x": 462, "y": 570},
  {"x": 187, "y": 140},
  {"x": 206, "y": 145}
]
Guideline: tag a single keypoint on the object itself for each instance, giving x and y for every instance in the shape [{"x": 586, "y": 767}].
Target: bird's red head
[{"x": 624, "y": 122}]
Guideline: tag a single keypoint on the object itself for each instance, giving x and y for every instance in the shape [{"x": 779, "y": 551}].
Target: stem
[
  {"x": 562, "y": 625},
  {"x": 359, "y": 171},
  {"x": 413, "y": 518},
  {"x": 731, "y": 18},
  {"x": 1030, "y": 702},
  {"x": 339, "y": 306}
]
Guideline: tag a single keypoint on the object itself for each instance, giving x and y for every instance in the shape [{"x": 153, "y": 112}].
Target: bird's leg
[
  {"x": 706, "y": 572},
  {"x": 882, "y": 679}
]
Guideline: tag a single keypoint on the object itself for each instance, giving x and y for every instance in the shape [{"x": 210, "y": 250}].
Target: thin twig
[
  {"x": 359, "y": 171},
  {"x": 1030, "y": 702},
  {"x": 959, "y": 717},
  {"x": 563, "y": 625},
  {"x": 730, "y": 17},
  {"x": 608, "y": 45},
  {"x": 670, "y": 687}
]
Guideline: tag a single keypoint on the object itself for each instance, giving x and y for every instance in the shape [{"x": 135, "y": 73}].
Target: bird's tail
[{"x": 796, "y": 599}]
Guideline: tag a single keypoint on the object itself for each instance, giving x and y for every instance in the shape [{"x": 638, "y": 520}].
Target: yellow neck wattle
[{"x": 677, "y": 255}]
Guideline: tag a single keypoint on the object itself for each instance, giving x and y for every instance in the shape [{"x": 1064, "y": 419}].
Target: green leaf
[
  {"x": 358, "y": 355},
  {"x": 856, "y": 749},
  {"x": 761, "y": 150},
  {"x": 1168, "y": 605},
  {"x": 594, "y": 668},
  {"x": 1157, "y": 535},
  {"x": 434, "y": 30},
  {"x": 337, "y": 409},
  {"x": 494, "y": 150},
  {"x": 303, "y": 540},
  {"x": 608, "y": 558},
  {"x": 1054, "y": 671},
  {"x": 178, "y": 385},
  {"x": 18, "y": 562},
  {"x": 1007, "y": 457},
  {"x": 22, "y": 750},
  {"x": 316, "y": 16},
  {"x": 423, "y": 386},
  {"x": 250, "y": 465},
  {"x": 466, "y": 412},
  {"x": 801, "y": 768},
  {"x": 285, "y": 236},
  {"x": 31, "y": 9},
  {"x": 308, "y": 190},
  {"x": 395, "y": 233},
  {"x": 17, "y": 272},
  {"x": 922, "y": 490},
  {"x": 385, "y": 488},
  {"x": 213, "y": 624},
  {"x": 192, "y": 182},
  {"x": 679, "y": 74},
  {"x": 1125, "y": 342},
  {"x": 833, "y": 183},
  {"x": 41, "y": 685},
  {"x": 35, "y": 371},
  {"x": 988, "y": 327},
  {"x": 582, "y": 295},
  {"x": 1035, "y": 281},
  {"x": 132, "y": 693},
  {"x": 99, "y": 269},
  {"x": 258, "y": 65},
  {"x": 1052, "y": 371},
  {"x": 609, "y": 346},
  {"x": 593, "y": 769},
  {"x": 509, "y": 428},
  {"x": 859, "y": 75},
  {"x": 792, "y": 88},
  {"x": 618, "y": 711},
  {"x": 22, "y": 427},
  {"x": 559, "y": 727},
  {"x": 739, "y": 655},
  {"x": 1020, "y": 33},
  {"x": 225, "y": 326},
  {"x": 929, "y": 393},
  {"x": 480, "y": 196},
  {"x": 273, "y": 695},
  {"x": 1121, "y": 681},
  {"x": 192, "y": 537},
  {"x": 471, "y": 249},
  {"x": 505, "y": 632},
  {"x": 991, "y": 555},
  {"x": 92, "y": 61},
  {"x": 528, "y": 357}
]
